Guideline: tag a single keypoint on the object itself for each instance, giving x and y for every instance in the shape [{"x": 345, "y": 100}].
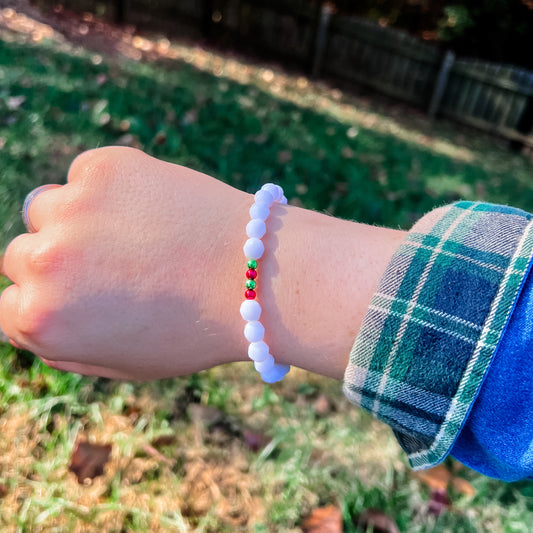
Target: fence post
[
  {"x": 121, "y": 10},
  {"x": 207, "y": 18},
  {"x": 326, "y": 10},
  {"x": 442, "y": 81},
  {"x": 525, "y": 125}
]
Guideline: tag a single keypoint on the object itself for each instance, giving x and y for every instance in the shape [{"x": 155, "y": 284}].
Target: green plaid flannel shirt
[{"x": 434, "y": 323}]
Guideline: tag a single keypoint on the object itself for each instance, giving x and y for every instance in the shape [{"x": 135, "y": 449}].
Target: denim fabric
[{"x": 497, "y": 438}]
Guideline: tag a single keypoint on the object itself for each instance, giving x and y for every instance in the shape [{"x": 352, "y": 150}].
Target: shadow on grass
[{"x": 56, "y": 104}]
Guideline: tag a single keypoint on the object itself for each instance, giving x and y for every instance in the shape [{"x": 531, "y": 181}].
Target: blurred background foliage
[{"x": 496, "y": 30}]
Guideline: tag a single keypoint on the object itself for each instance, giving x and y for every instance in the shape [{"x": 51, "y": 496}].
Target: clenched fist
[{"x": 131, "y": 269}]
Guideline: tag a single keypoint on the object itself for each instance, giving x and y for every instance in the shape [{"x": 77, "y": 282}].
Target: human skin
[{"x": 136, "y": 271}]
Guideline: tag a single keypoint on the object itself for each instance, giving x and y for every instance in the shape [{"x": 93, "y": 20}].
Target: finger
[
  {"x": 15, "y": 258},
  {"x": 39, "y": 205},
  {"x": 9, "y": 305},
  {"x": 22, "y": 329},
  {"x": 83, "y": 369}
]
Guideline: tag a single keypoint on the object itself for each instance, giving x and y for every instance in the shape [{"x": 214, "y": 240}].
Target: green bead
[
  {"x": 252, "y": 263},
  {"x": 251, "y": 284}
]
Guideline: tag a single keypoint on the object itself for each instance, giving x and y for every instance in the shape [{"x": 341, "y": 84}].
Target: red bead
[
  {"x": 250, "y": 294},
  {"x": 251, "y": 274}
]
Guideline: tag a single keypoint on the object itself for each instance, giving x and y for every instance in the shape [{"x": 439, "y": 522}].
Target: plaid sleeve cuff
[{"x": 434, "y": 323}]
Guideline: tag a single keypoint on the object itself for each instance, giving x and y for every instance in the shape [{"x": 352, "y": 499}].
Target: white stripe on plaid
[
  {"x": 412, "y": 303},
  {"x": 428, "y": 325},
  {"x": 431, "y": 310},
  {"x": 463, "y": 257},
  {"x": 403, "y": 392}
]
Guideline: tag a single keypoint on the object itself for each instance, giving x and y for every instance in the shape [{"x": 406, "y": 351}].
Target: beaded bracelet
[{"x": 258, "y": 351}]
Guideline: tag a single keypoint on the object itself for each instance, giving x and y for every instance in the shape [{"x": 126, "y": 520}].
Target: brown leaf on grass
[
  {"x": 322, "y": 405},
  {"x": 88, "y": 460},
  {"x": 323, "y": 520},
  {"x": 3, "y": 490},
  {"x": 190, "y": 117},
  {"x": 133, "y": 412},
  {"x": 284, "y": 156},
  {"x": 377, "y": 521},
  {"x": 255, "y": 440},
  {"x": 205, "y": 414},
  {"x": 439, "y": 502},
  {"x": 128, "y": 139},
  {"x": 164, "y": 440},
  {"x": 440, "y": 478},
  {"x": 160, "y": 138},
  {"x": 347, "y": 152},
  {"x": 223, "y": 428}
]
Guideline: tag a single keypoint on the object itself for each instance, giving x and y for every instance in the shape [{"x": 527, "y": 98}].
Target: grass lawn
[{"x": 220, "y": 451}]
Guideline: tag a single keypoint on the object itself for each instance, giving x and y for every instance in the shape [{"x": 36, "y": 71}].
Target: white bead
[
  {"x": 280, "y": 193},
  {"x": 264, "y": 197},
  {"x": 276, "y": 373},
  {"x": 250, "y": 310},
  {"x": 265, "y": 365},
  {"x": 253, "y": 248},
  {"x": 259, "y": 211},
  {"x": 254, "y": 331},
  {"x": 256, "y": 228},
  {"x": 258, "y": 351},
  {"x": 275, "y": 190},
  {"x": 283, "y": 200}
]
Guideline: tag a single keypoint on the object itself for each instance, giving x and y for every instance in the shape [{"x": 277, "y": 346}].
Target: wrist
[
  {"x": 315, "y": 281},
  {"x": 320, "y": 273}
]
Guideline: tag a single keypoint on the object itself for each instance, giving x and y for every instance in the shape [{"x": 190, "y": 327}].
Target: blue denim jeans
[{"x": 497, "y": 438}]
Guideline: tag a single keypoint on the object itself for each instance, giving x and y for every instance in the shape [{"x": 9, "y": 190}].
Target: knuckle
[
  {"x": 38, "y": 317},
  {"x": 32, "y": 325},
  {"x": 46, "y": 258},
  {"x": 100, "y": 162}
]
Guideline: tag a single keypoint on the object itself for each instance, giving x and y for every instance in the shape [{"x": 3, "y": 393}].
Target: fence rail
[{"x": 494, "y": 98}]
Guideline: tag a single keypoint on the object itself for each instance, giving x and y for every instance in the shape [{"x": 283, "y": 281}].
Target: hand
[{"x": 131, "y": 271}]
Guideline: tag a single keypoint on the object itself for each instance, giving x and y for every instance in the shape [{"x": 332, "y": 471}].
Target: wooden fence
[{"x": 495, "y": 98}]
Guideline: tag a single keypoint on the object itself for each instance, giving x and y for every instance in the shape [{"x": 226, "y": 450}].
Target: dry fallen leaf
[
  {"x": 88, "y": 460},
  {"x": 164, "y": 440},
  {"x": 322, "y": 405},
  {"x": 377, "y": 521},
  {"x": 255, "y": 440},
  {"x": 323, "y": 520},
  {"x": 284, "y": 156},
  {"x": 440, "y": 478},
  {"x": 439, "y": 502},
  {"x": 3, "y": 490},
  {"x": 190, "y": 117}
]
